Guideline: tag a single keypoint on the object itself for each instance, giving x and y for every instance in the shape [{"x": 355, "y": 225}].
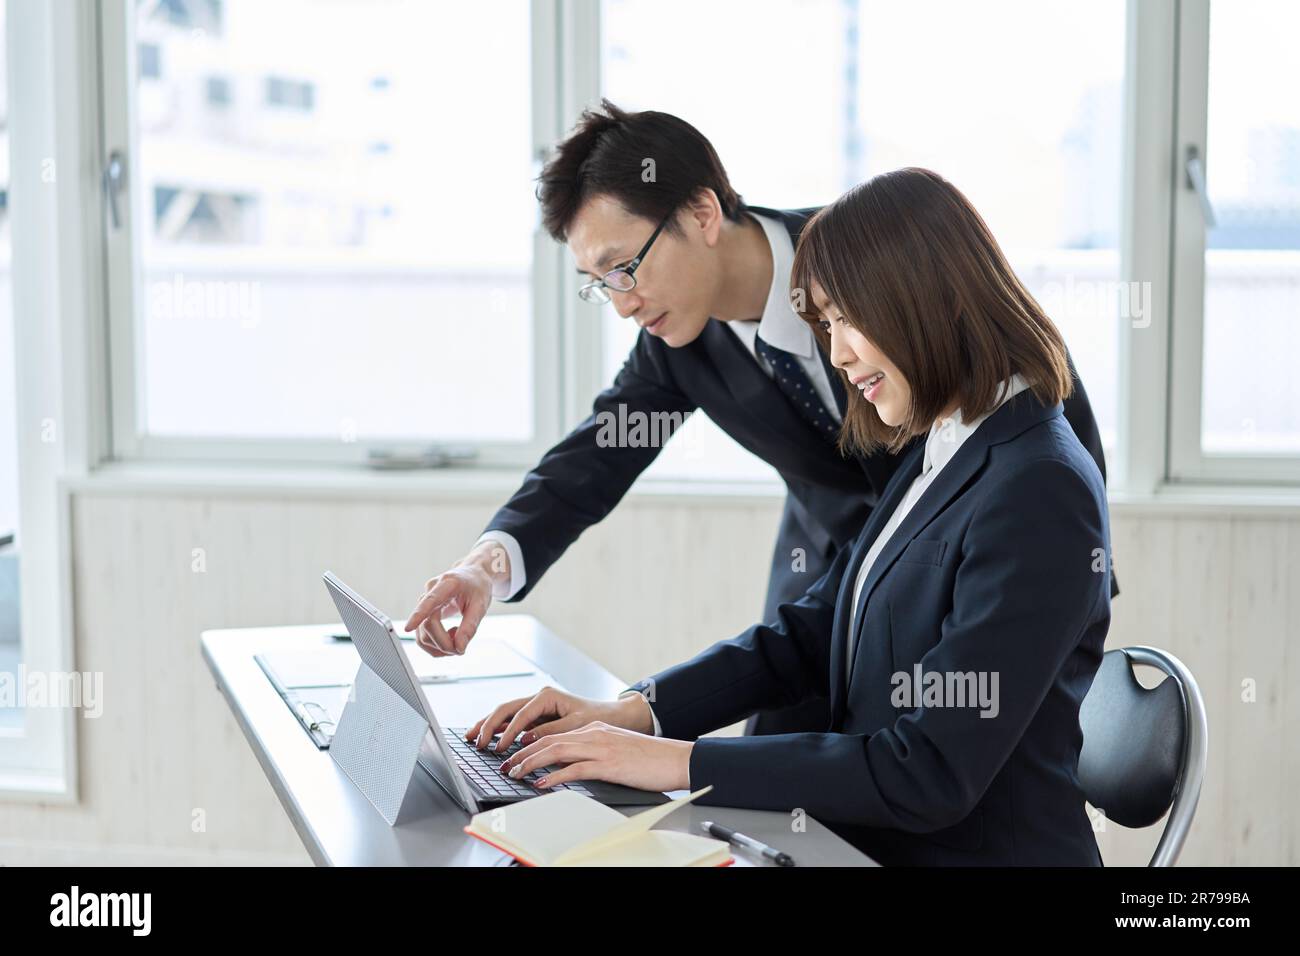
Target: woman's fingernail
[
  {"x": 527, "y": 738},
  {"x": 517, "y": 771},
  {"x": 543, "y": 782}
]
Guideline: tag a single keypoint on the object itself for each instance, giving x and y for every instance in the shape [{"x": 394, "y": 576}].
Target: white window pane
[
  {"x": 1026, "y": 125},
  {"x": 335, "y": 242},
  {"x": 1251, "y": 394}
]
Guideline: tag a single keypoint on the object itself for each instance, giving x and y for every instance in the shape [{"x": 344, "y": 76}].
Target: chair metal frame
[{"x": 1196, "y": 738}]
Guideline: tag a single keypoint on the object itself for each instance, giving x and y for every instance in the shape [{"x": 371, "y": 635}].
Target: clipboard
[{"x": 317, "y": 708}]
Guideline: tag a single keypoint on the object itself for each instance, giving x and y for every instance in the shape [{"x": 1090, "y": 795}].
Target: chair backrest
[{"x": 1144, "y": 749}]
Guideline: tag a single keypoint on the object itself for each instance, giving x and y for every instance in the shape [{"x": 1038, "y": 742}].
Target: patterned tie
[{"x": 798, "y": 388}]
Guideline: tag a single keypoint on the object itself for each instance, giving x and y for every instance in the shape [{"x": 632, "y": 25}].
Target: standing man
[{"x": 707, "y": 278}]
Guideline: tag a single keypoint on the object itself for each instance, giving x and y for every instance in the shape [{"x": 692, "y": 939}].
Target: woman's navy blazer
[{"x": 1000, "y": 573}]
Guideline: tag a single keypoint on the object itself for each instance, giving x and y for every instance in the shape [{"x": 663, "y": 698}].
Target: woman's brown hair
[{"x": 912, "y": 266}]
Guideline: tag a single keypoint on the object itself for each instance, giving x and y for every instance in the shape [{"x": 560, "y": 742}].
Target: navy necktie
[{"x": 798, "y": 388}]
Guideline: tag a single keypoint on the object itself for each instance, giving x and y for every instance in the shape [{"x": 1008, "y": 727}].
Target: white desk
[{"x": 338, "y": 825}]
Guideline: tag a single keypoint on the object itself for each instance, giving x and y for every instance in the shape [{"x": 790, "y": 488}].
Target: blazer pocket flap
[{"x": 921, "y": 551}]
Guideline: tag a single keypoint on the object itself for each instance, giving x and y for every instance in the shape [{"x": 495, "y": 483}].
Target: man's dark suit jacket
[
  {"x": 829, "y": 497},
  {"x": 999, "y": 569}
]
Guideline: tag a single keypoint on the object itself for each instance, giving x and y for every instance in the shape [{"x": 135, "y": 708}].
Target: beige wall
[{"x": 1219, "y": 590}]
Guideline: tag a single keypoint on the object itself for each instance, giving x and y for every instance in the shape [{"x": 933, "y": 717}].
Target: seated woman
[{"x": 957, "y": 638}]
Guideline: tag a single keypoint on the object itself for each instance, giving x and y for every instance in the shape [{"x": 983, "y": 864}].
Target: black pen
[{"x": 738, "y": 839}]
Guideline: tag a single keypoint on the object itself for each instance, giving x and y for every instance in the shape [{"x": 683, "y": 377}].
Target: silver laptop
[{"x": 471, "y": 776}]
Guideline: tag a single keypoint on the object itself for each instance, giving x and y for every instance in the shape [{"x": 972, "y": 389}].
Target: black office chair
[{"x": 1144, "y": 749}]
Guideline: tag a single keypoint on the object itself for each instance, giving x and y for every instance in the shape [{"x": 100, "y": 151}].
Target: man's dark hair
[{"x": 607, "y": 153}]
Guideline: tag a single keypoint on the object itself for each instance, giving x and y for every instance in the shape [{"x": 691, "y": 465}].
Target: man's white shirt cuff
[{"x": 500, "y": 590}]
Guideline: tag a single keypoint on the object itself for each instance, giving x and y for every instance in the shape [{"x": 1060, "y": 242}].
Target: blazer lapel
[
  {"x": 740, "y": 371},
  {"x": 907, "y": 472},
  {"x": 755, "y": 392},
  {"x": 954, "y": 476},
  {"x": 1016, "y": 415}
]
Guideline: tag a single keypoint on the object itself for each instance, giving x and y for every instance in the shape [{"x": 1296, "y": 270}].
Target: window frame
[
  {"x": 1188, "y": 462},
  {"x": 58, "y": 351},
  {"x": 125, "y": 286}
]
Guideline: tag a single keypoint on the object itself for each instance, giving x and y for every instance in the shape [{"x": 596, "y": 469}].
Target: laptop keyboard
[{"x": 483, "y": 767}]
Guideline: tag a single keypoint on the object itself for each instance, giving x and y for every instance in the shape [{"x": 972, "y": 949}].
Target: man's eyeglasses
[{"x": 622, "y": 279}]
